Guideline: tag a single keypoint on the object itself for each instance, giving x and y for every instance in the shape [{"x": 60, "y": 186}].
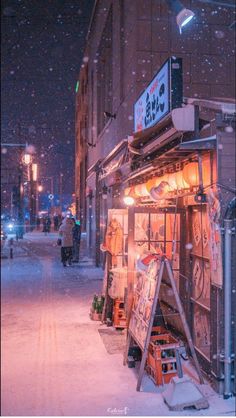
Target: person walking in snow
[
  {"x": 66, "y": 234},
  {"x": 76, "y": 240},
  {"x": 46, "y": 225}
]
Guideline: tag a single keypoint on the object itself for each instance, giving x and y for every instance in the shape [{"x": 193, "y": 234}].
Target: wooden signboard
[
  {"x": 144, "y": 296},
  {"x": 143, "y": 312}
]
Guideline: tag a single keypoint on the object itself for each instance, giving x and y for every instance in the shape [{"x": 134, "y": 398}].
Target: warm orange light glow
[
  {"x": 35, "y": 171},
  {"x": 127, "y": 191},
  {"x": 160, "y": 191},
  {"x": 141, "y": 190},
  {"x": 190, "y": 174},
  {"x": 40, "y": 188},
  {"x": 153, "y": 183},
  {"x": 170, "y": 178},
  {"x": 180, "y": 182},
  {"x": 26, "y": 159}
]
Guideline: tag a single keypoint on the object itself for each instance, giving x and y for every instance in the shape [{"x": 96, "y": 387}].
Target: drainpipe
[{"x": 228, "y": 230}]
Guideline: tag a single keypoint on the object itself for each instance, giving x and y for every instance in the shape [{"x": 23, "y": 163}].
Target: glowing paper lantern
[
  {"x": 160, "y": 191},
  {"x": 141, "y": 190},
  {"x": 191, "y": 174},
  {"x": 180, "y": 181},
  {"x": 206, "y": 172},
  {"x": 152, "y": 183},
  {"x": 170, "y": 178}
]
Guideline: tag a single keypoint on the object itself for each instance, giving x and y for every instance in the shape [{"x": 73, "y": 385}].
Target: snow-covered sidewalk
[{"x": 54, "y": 361}]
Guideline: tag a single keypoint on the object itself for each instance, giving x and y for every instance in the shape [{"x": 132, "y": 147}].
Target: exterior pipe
[{"x": 227, "y": 307}]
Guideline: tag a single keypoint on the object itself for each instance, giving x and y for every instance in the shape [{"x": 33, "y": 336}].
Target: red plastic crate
[{"x": 162, "y": 368}]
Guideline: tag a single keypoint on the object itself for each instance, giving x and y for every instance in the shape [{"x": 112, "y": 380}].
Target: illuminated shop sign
[{"x": 164, "y": 93}]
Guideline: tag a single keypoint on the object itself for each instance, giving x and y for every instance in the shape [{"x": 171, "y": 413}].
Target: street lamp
[
  {"x": 27, "y": 159},
  {"x": 18, "y": 188}
]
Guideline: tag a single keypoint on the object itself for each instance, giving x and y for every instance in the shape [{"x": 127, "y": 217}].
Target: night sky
[{"x": 42, "y": 49}]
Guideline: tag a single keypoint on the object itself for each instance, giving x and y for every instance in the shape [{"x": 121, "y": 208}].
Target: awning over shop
[
  {"x": 141, "y": 138},
  {"x": 115, "y": 165},
  {"x": 178, "y": 155},
  {"x": 199, "y": 144},
  {"x": 179, "y": 120}
]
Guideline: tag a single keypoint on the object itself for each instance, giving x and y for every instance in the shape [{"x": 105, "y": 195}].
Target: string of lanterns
[{"x": 158, "y": 187}]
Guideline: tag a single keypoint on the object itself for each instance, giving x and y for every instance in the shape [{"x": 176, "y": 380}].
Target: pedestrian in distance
[
  {"x": 66, "y": 235},
  {"x": 76, "y": 240},
  {"x": 38, "y": 221},
  {"x": 56, "y": 222},
  {"x": 44, "y": 226},
  {"x": 48, "y": 224}
]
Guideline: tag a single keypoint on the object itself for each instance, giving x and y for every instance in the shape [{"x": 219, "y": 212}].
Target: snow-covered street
[{"x": 54, "y": 361}]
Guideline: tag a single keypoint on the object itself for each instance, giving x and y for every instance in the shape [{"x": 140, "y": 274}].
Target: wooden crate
[
  {"x": 159, "y": 330},
  {"x": 119, "y": 317},
  {"x": 161, "y": 359}
]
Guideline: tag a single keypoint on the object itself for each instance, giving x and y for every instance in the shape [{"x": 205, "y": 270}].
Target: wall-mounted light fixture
[{"x": 183, "y": 15}]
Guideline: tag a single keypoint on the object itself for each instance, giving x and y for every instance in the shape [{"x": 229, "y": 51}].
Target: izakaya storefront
[
  {"x": 180, "y": 203},
  {"x": 176, "y": 198},
  {"x": 167, "y": 220},
  {"x": 175, "y": 212}
]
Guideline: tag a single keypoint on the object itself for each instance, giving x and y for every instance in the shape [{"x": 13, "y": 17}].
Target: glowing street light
[
  {"x": 27, "y": 159},
  {"x": 35, "y": 172}
]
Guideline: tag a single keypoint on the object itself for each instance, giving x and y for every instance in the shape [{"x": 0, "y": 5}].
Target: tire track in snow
[{"x": 48, "y": 391}]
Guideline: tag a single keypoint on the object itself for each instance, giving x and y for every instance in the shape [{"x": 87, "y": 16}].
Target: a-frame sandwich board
[{"x": 140, "y": 329}]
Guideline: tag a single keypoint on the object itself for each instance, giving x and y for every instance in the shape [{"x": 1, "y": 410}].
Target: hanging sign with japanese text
[{"x": 164, "y": 93}]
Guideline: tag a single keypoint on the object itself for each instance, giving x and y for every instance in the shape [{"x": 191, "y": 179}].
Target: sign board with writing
[
  {"x": 164, "y": 93},
  {"x": 143, "y": 302},
  {"x": 146, "y": 295}
]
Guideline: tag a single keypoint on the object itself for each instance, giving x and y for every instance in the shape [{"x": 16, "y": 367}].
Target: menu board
[{"x": 143, "y": 301}]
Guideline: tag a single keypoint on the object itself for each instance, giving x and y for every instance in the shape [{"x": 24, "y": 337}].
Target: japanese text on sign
[{"x": 153, "y": 104}]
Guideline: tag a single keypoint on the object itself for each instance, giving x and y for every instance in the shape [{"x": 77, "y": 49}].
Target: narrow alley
[{"x": 54, "y": 361}]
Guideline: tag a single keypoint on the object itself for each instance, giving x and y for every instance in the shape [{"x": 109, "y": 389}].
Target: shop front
[
  {"x": 176, "y": 210},
  {"x": 169, "y": 195}
]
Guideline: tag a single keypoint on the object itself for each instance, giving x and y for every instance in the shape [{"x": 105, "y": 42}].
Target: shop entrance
[
  {"x": 153, "y": 230},
  {"x": 156, "y": 231}
]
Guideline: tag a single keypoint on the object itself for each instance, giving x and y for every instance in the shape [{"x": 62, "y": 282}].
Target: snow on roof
[{"x": 226, "y": 106}]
